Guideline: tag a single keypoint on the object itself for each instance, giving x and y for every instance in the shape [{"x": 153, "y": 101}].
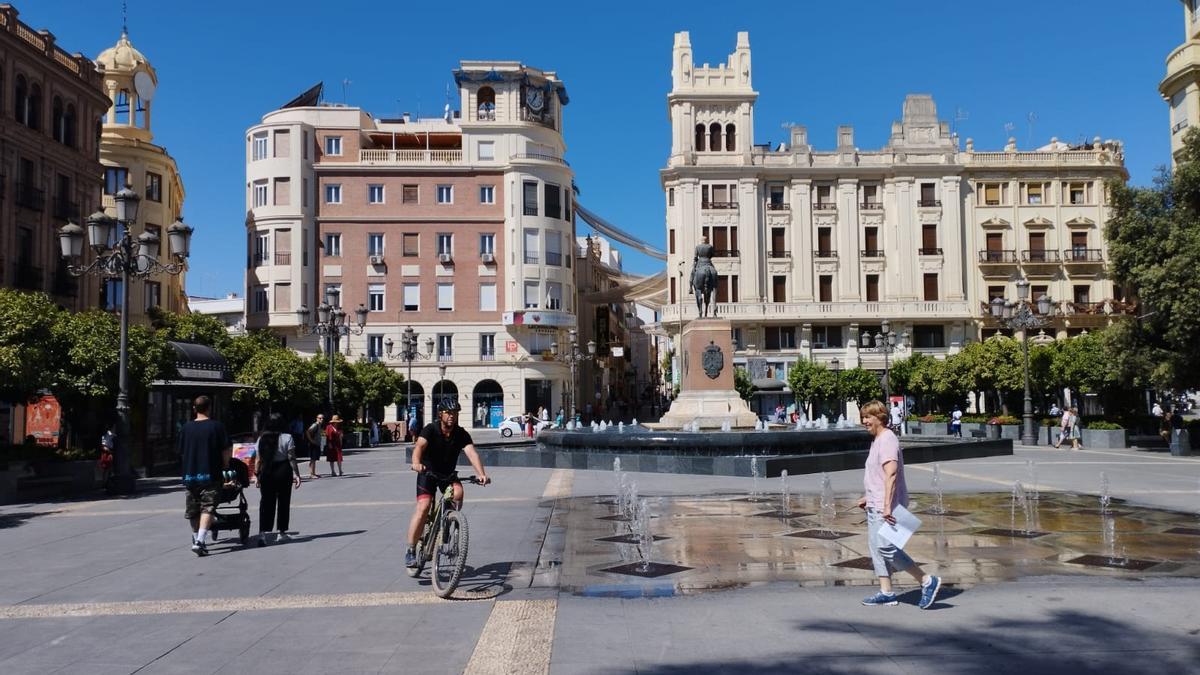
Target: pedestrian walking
[
  {"x": 1074, "y": 430},
  {"x": 1064, "y": 427},
  {"x": 481, "y": 414},
  {"x": 884, "y": 489},
  {"x": 316, "y": 444},
  {"x": 1157, "y": 410},
  {"x": 529, "y": 424},
  {"x": 896, "y": 417},
  {"x": 413, "y": 427},
  {"x": 374, "y": 433},
  {"x": 204, "y": 451},
  {"x": 108, "y": 444},
  {"x": 956, "y": 422},
  {"x": 276, "y": 472},
  {"x": 333, "y": 445}
]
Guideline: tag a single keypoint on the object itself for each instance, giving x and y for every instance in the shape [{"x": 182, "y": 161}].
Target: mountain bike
[{"x": 444, "y": 539}]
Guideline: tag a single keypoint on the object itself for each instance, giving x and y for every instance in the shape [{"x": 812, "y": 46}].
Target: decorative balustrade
[
  {"x": 998, "y": 257},
  {"x": 407, "y": 157},
  {"x": 825, "y": 310},
  {"x": 1083, "y": 255}
]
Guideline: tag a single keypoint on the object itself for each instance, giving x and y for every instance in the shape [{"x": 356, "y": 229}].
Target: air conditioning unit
[
  {"x": 376, "y": 260},
  {"x": 445, "y": 258},
  {"x": 487, "y": 258}
]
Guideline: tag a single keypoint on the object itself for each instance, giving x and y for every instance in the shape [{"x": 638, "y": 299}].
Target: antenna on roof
[
  {"x": 446, "y": 114},
  {"x": 345, "y": 86},
  {"x": 1008, "y": 129},
  {"x": 960, "y": 115},
  {"x": 124, "y": 17}
]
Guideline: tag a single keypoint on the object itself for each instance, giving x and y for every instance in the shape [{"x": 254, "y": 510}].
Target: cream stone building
[
  {"x": 1181, "y": 86},
  {"x": 459, "y": 226},
  {"x": 130, "y": 157},
  {"x": 815, "y": 247}
]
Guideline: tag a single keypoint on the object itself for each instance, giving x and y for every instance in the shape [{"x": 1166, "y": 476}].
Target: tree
[
  {"x": 347, "y": 393},
  {"x": 860, "y": 385},
  {"x": 810, "y": 382},
  {"x": 242, "y": 348},
  {"x": 1154, "y": 249},
  {"x": 198, "y": 328},
  {"x": 379, "y": 384},
  {"x": 26, "y": 344},
  {"x": 743, "y": 384},
  {"x": 1083, "y": 364},
  {"x": 282, "y": 382}
]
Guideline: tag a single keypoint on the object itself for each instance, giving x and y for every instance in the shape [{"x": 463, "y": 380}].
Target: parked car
[{"x": 516, "y": 425}]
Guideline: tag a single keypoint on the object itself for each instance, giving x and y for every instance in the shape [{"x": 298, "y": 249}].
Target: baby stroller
[{"x": 234, "y": 520}]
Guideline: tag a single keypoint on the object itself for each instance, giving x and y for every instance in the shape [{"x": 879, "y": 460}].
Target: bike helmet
[{"x": 448, "y": 406}]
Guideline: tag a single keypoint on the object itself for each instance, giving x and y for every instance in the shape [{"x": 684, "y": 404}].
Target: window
[
  {"x": 333, "y": 193},
  {"x": 304, "y": 145},
  {"x": 283, "y": 143},
  {"x": 871, "y": 290},
  {"x": 672, "y": 298},
  {"x": 486, "y": 110},
  {"x": 445, "y": 194},
  {"x": 487, "y": 297},
  {"x": 532, "y": 252},
  {"x": 825, "y": 195},
  {"x": 931, "y": 286},
  {"x": 153, "y": 187},
  {"x": 445, "y": 244},
  {"x": 333, "y": 145},
  {"x": 260, "y": 193},
  {"x": 283, "y": 297},
  {"x": 530, "y": 194},
  {"x": 487, "y": 151},
  {"x": 825, "y": 292},
  {"x": 995, "y": 246},
  {"x": 730, "y": 138},
  {"x": 871, "y": 242},
  {"x": 700, "y": 138},
  {"x": 375, "y": 297},
  {"x": 445, "y": 297},
  {"x": 929, "y": 240},
  {"x": 532, "y": 294},
  {"x": 992, "y": 194},
  {"x": 375, "y": 194},
  {"x": 671, "y": 242},
  {"x": 723, "y": 238},
  {"x": 554, "y": 299},
  {"x": 110, "y": 295},
  {"x": 824, "y": 242},
  {"x": 409, "y": 194},
  {"x": 333, "y": 245},
  {"x": 262, "y": 248},
  {"x": 374, "y": 347},
  {"x": 929, "y": 194},
  {"x": 412, "y": 297},
  {"x": 553, "y": 201},
  {"x": 259, "y": 147},
  {"x": 445, "y": 346},
  {"x": 778, "y": 288},
  {"x": 714, "y": 137},
  {"x": 115, "y": 178},
  {"x": 929, "y": 337},
  {"x": 1078, "y": 193},
  {"x": 487, "y": 194},
  {"x": 736, "y": 338},
  {"x": 487, "y": 346},
  {"x": 779, "y": 337},
  {"x": 775, "y": 197},
  {"x": 375, "y": 243},
  {"x": 156, "y": 230},
  {"x": 411, "y": 244},
  {"x": 1079, "y": 243},
  {"x": 260, "y": 299},
  {"x": 304, "y": 192},
  {"x": 1179, "y": 117},
  {"x": 283, "y": 192},
  {"x": 827, "y": 337},
  {"x": 870, "y": 197},
  {"x": 153, "y": 294},
  {"x": 487, "y": 243},
  {"x": 553, "y": 249},
  {"x": 670, "y": 196},
  {"x": 995, "y": 292},
  {"x": 1036, "y": 193}
]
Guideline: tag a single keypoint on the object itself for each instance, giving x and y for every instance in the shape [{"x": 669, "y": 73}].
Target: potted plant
[
  {"x": 1103, "y": 434},
  {"x": 993, "y": 429}
]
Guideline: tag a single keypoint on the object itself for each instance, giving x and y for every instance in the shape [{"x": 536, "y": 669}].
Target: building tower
[
  {"x": 1181, "y": 86},
  {"x": 130, "y": 157}
]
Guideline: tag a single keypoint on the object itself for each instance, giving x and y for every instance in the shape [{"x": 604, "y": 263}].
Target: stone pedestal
[{"x": 706, "y": 390}]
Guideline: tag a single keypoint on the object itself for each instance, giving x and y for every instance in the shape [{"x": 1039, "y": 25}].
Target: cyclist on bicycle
[{"x": 437, "y": 451}]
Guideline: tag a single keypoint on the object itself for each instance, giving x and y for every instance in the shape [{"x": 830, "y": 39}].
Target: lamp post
[
  {"x": 332, "y": 324},
  {"x": 572, "y": 357},
  {"x": 885, "y": 342},
  {"x": 837, "y": 387},
  {"x": 409, "y": 353},
  {"x": 119, "y": 254},
  {"x": 1023, "y": 316}
]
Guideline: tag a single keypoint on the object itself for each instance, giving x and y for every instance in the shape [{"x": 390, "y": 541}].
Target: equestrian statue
[{"x": 704, "y": 278}]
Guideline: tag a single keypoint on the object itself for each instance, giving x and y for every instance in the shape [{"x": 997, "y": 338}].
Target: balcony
[
  {"x": 30, "y": 197},
  {"x": 772, "y": 206},
  {"x": 260, "y": 259},
  {"x": 799, "y": 311},
  {"x": 487, "y": 356},
  {"x": 825, "y": 254},
  {"x": 541, "y": 157},
  {"x": 779, "y": 253},
  {"x": 871, "y": 253},
  {"x": 409, "y": 157},
  {"x": 726, "y": 253},
  {"x": 929, "y": 203},
  {"x": 870, "y": 206},
  {"x": 1083, "y": 256},
  {"x": 719, "y": 206},
  {"x": 66, "y": 210},
  {"x": 444, "y": 358},
  {"x": 1083, "y": 307},
  {"x": 530, "y": 209},
  {"x": 998, "y": 257},
  {"x": 926, "y": 250},
  {"x": 546, "y": 120},
  {"x": 284, "y": 258},
  {"x": 1039, "y": 257},
  {"x": 824, "y": 206}
]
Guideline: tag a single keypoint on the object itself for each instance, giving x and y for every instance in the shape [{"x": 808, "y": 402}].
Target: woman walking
[
  {"x": 275, "y": 473},
  {"x": 1064, "y": 428},
  {"x": 333, "y": 445},
  {"x": 1076, "y": 431},
  {"x": 884, "y": 486}
]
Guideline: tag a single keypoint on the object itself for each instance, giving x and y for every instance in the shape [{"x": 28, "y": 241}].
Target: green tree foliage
[
  {"x": 26, "y": 335},
  {"x": 1154, "y": 248},
  {"x": 282, "y": 382},
  {"x": 347, "y": 392},
  {"x": 242, "y": 348},
  {"x": 198, "y": 328},
  {"x": 379, "y": 384},
  {"x": 742, "y": 383},
  {"x": 1082, "y": 363},
  {"x": 860, "y": 385},
  {"x": 810, "y": 382}
]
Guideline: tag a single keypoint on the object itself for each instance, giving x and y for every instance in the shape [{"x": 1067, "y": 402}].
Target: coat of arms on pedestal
[{"x": 713, "y": 361}]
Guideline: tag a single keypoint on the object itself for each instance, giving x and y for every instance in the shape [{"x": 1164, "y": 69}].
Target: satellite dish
[{"x": 144, "y": 85}]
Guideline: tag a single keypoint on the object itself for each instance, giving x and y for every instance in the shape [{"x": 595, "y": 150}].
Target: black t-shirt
[
  {"x": 201, "y": 447},
  {"x": 441, "y": 455}
]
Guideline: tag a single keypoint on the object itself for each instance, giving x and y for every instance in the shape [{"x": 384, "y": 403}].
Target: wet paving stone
[
  {"x": 650, "y": 571},
  {"x": 628, "y": 539},
  {"x": 1019, "y": 534},
  {"x": 1113, "y": 563},
  {"x": 782, "y": 514}
]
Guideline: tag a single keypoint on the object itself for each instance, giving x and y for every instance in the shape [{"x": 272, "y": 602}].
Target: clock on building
[{"x": 535, "y": 99}]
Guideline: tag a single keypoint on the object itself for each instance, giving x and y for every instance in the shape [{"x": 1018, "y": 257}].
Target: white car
[{"x": 516, "y": 425}]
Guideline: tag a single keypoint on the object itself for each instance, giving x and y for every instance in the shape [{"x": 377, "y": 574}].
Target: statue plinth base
[{"x": 711, "y": 401}]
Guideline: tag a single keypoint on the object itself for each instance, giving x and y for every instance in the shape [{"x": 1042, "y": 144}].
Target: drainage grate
[
  {"x": 863, "y": 563},
  {"x": 1190, "y": 531},
  {"x": 1018, "y": 534},
  {"x": 652, "y": 570},
  {"x": 1113, "y": 563},
  {"x": 820, "y": 534},
  {"x": 628, "y": 539},
  {"x": 782, "y": 514}
]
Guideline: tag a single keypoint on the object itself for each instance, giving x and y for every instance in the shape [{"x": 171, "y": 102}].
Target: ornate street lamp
[
  {"x": 1023, "y": 316},
  {"x": 837, "y": 375},
  {"x": 884, "y": 342},
  {"x": 573, "y": 357},
  {"x": 331, "y": 324},
  {"x": 127, "y": 258},
  {"x": 409, "y": 353}
]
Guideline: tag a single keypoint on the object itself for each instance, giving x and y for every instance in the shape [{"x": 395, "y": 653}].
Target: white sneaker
[{"x": 282, "y": 537}]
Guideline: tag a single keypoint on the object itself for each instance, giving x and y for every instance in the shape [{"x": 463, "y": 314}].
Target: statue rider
[{"x": 704, "y": 277}]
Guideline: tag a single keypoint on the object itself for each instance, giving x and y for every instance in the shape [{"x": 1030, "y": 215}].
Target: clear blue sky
[{"x": 1084, "y": 67}]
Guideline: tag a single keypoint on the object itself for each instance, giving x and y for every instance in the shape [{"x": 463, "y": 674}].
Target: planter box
[
  {"x": 1103, "y": 438},
  {"x": 1012, "y": 431}
]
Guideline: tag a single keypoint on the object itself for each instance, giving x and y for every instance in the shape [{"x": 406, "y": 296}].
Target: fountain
[
  {"x": 620, "y": 427},
  {"x": 939, "y": 504},
  {"x": 1031, "y": 475},
  {"x": 640, "y": 528},
  {"x": 1105, "y": 494},
  {"x": 786, "y": 496},
  {"x": 633, "y": 422},
  {"x": 754, "y": 474},
  {"x": 1020, "y": 499},
  {"x": 828, "y": 511}
]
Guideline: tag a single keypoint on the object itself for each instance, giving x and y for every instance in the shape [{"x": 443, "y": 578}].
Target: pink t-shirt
[{"x": 885, "y": 448}]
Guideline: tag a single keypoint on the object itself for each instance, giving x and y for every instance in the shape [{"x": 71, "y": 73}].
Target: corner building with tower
[
  {"x": 459, "y": 226},
  {"x": 815, "y": 247}
]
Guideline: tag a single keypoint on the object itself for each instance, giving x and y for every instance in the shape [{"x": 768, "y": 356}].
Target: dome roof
[{"x": 122, "y": 56}]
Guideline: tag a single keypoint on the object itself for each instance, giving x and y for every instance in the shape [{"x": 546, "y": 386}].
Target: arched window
[
  {"x": 122, "y": 107},
  {"x": 21, "y": 100},
  {"x": 35, "y": 106},
  {"x": 70, "y": 127},
  {"x": 714, "y": 137},
  {"x": 730, "y": 138},
  {"x": 487, "y": 104},
  {"x": 700, "y": 138},
  {"x": 56, "y": 121}
]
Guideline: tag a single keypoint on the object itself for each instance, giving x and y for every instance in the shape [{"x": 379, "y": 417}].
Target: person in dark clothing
[
  {"x": 437, "y": 450},
  {"x": 204, "y": 450},
  {"x": 275, "y": 473}
]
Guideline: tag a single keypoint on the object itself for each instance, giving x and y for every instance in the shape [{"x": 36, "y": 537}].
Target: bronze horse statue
[{"x": 704, "y": 278}]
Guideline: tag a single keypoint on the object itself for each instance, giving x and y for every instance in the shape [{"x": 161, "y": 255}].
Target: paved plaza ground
[{"x": 109, "y": 586}]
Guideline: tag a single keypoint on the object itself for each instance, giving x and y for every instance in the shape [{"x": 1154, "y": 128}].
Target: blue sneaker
[
  {"x": 929, "y": 592},
  {"x": 410, "y": 558},
  {"x": 880, "y": 599}
]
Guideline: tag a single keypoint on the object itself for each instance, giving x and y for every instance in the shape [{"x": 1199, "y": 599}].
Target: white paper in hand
[{"x": 902, "y": 531}]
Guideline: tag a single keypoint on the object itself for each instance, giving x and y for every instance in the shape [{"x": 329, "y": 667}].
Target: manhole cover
[
  {"x": 820, "y": 534},
  {"x": 649, "y": 571},
  {"x": 1113, "y": 563},
  {"x": 618, "y": 518},
  {"x": 782, "y": 514},
  {"x": 1191, "y": 531},
  {"x": 1019, "y": 534},
  {"x": 863, "y": 563},
  {"x": 628, "y": 539}
]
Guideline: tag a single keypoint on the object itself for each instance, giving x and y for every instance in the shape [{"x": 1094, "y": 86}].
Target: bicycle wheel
[{"x": 449, "y": 554}]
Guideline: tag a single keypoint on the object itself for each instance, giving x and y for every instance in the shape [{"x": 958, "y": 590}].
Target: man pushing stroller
[{"x": 204, "y": 450}]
